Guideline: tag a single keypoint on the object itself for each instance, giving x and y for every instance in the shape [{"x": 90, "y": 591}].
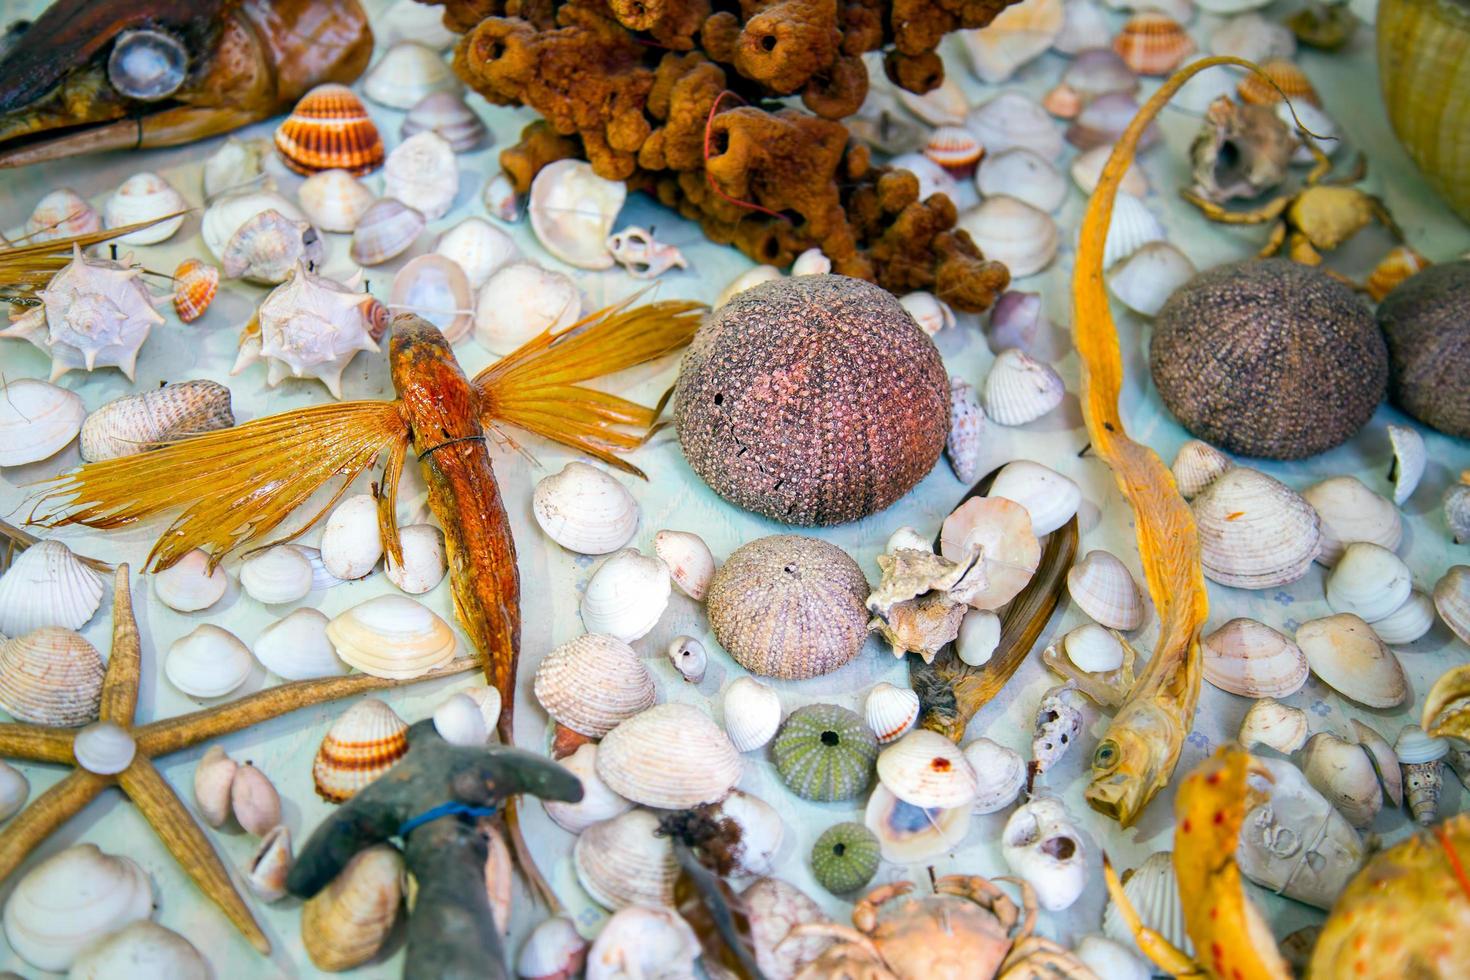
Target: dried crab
[{"x": 967, "y": 929}]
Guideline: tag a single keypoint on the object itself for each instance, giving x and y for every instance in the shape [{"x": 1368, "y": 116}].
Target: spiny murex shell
[
  {"x": 671, "y": 756},
  {"x": 360, "y": 746},
  {"x": 37, "y": 420},
  {"x": 137, "y": 423},
  {"x": 51, "y": 676},
  {"x": 1251, "y": 659},
  {"x": 347, "y": 922},
  {"x": 48, "y": 585},
  {"x": 593, "y": 683},
  {"x": 70, "y": 899},
  {"x": 585, "y": 509},
  {"x": 1255, "y": 532},
  {"x": 392, "y": 636}
]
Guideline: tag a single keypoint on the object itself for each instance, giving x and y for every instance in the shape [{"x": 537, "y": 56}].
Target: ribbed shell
[
  {"x": 593, "y": 684},
  {"x": 925, "y": 769},
  {"x": 330, "y": 129},
  {"x": 1196, "y": 466},
  {"x": 789, "y": 606},
  {"x": 445, "y": 113},
  {"x": 1251, "y": 659},
  {"x": 672, "y": 756},
  {"x": 195, "y": 284},
  {"x": 845, "y": 858},
  {"x": 1152, "y": 43},
  {"x": 622, "y": 862},
  {"x": 1154, "y": 893},
  {"x": 1104, "y": 589},
  {"x": 360, "y": 746},
  {"x": 825, "y": 752},
  {"x": 1424, "y": 323},
  {"x": 134, "y": 424},
  {"x": 1021, "y": 389},
  {"x": 890, "y": 711},
  {"x": 1255, "y": 532},
  {"x": 812, "y": 400},
  {"x": 346, "y": 923},
  {"x": 1288, "y": 78},
  {"x": 752, "y": 713},
  {"x": 1397, "y": 264},
  {"x": 47, "y": 585},
  {"x": 51, "y": 676}
]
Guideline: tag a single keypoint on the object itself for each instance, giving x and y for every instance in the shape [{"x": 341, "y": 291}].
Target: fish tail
[{"x": 538, "y": 387}]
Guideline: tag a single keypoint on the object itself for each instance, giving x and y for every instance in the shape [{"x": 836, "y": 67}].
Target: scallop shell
[
  {"x": 1153, "y": 43},
  {"x": 352, "y": 542},
  {"x": 61, "y": 214},
  {"x": 585, "y": 509},
  {"x": 1000, "y": 774},
  {"x": 925, "y": 769},
  {"x": 424, "y": 560},
  {"x": 195, "y": 284},
  {"x": 1009, "y": 230},
  {"x": 593, "y": 683},
  {"x": 1269, "y": 722},
  {"x": 1103, "y": 588},
  {"x": 1093, "y": 649},
  {"x": 752, "y": 713},
  {"x": 890, "y": 711},
  {"x": 1024, "y": 175},
  {"x": 1342, "y": 772},
  {"x": 1408, "y": 622},
  {"x": 1452, "y": 600},
  {"x": 671, "y": 756},
  {"x": 37, "y": 420},
  {"x": 598, "y": 803},
  {"x": 447, "y": 115},
  {"x": 267, "y": 247},
  {"x": 1251, "y": 659},
  {"x": 1049, "y": 497},
  {"x": 955, "y": 149},
  {"x": 1020, "y": 389},
  {"x": 572, "y": 212},
  {"x": 71, "y": 899},
  {"x": 1351, "y": 512},
  {"x": 296, "y": 647},
  {"x": 690, "y": 562},
  {"x": 520, "y": 301},
  {"x": 623, "y": 861},
  {"x": 1350, "y": 658},
  {"x": 330, "y": 129},
  {"x": 1153, "y": 891},
  {"x": 406, "y": 73},
  {"x": 554, "y": 950},
  {"x": 1099, "y": 71},
  {"x": 1147, "y": 278},
  {"x": 334, "y": 200},
  {"x": 209, "y": 662},
  {"x": 1008, "y": 550},
  {"x": 1011, "y": 119},
  {"x": 14, "y": 789},
  {"x": 1133, "y": 226},
  {"x": 437, "y": 289},
  {"x": 1017, "y": 35},
  {"x": 385, "y": 231},
  {"x": 907, "y": 833},
  {"x": 1103, "y": 121},
  {"x": 965, "y": 441},
  {"x": 392, "y": 636},
  {"x": 236, "y": 166},
  {"x": 1288, "y": 78},
  {"x": 47, "y": 585},
  {"x": 192, "y": 583},
  {"x": 1196, "y": 466},
  {"x": 1042, "y": 846},
  {"x": 360, "y": 746},
  {"x": 143, "y": 197},
  {"x": 422, "y": 173},
  {"x": 479, "y": 248},
  {"x": 1255, "y": 532},
  {"x": 1369, "y": 581},
  {"x": 626, "y": 595},
  {"x": 276, "y": 575},
  {"x": 789, "y": 606},
  {"x": 347, "y": 922},
  {"x": 1087, "y": 167}
]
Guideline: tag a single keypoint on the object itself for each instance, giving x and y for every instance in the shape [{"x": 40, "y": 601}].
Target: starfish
[{"x": 140, "y": 778}]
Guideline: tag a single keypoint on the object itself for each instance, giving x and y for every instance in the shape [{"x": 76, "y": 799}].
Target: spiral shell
[
  {"x": 330, "y": 129},
  {"x": 593, "y": 683},
  {"x": 137, "y": 423},
  {"x": 360, "y": 746}
]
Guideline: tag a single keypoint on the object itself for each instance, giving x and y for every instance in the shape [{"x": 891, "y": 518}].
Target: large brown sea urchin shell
[
  {"x": 1427, "y": 323},
  {"x": 789, "y": 606},
  {"x": 812, "y": 400},
  {"x": 1269, "y": 358}
]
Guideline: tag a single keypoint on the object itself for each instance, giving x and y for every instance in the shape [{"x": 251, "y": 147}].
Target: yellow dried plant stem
[
  {"x": 44, "y": 814},
  {"x": 35, "y": 743},
  {"x": 124, "y": 663}
]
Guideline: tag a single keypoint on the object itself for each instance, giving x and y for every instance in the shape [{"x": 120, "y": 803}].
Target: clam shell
[
  {"x": 500, "y": 198},
  {"x": 1408, "y": 622},
  {"x": 1153, "y": 891},
  {"x": 1252, "y": 37},
  {"x": 955, "y": 149},
  {"x": 593, "y": 683},
  {"x": 37, "y": 421},
  {"x": 1011, "y": 119},
  {"x": 907, "y": 833},
  {"x": 61, "y": 214},
  {"x": 1452, "y": 600},
  {"x": 47, "y": 585},
  {"x": 1196, "y": 466},
  {"x": 933, "y": 179},
  {"x": 626, "y": 595},
  {"x": 445, "y": 114},
  {"x": 269, "y": 865},
  {"x": 554, "y": 950},
  {"x": 1083, "y": 23},
  {"x": 978, "y": 637},
  {"x": 69, "y": 900},
  {"x": 1409, "y": 461},
  {"x": 1104, "y": 119},
  {"x": 1020, "y": 389},
  {"x": 423, "y": 174},
  {"x": 1343, "y": 773},
  {"x": 392, "y": 636},
  {"x": 424, "y": 559},
  {"x": 1009, "y": 230},
  {"x": 1103, "y": 588},
  {"x": 254, "y": 801},
  {"x": 520, "y": 301},
  {"x": 1099, "y": 71},
  {"x": 406, "y": 73},
  {"x": 585, "y": 509},
  {"x": 479, "y": 248},
  {"x": 1351, "y": 512},
  {"x": 1023, "y": 174},
  {"x": 1251, "y": 659},
  {"x": 459, "y": 722},
  {"x": 385, "y": 231},
  {"x": 330, "y": 129},
  {"x": 276, "y": 575},
  {"x": 14, "y": 789},
  {"x": 140, "y": 949},
  {"x": 752, "y": 713},
  {"x": 346, "y": 923},
  {"x": 1350, "y": 658},
  {"x": 1000, "y": 774},
  {"x": 690, "y": 562},
  {"x": 1016, "y": 321},
  {"x": 1009, "y": 551},
  {"x": 966, "y": 438},
  {"x": 622, "y": 862},
  {"x": 1042, "y": 846},
  {"x": 671, "y": 756},
  {"x": 925, "y": 769},
  {"x": 104, "y": 748},
  {"x": 51, "y": 676},
  {"x": 190, "y": 584},
  {"x": 572, "y": 212},
  {"x": 1385, "y": 759},
  {"x": 227, "y": 215},
  {"x": 1049, "y": 497},
  {"x": 334, "y": 200},
  {"x": 437, "y": 289},
  {"x": 1094, "y": 649},
  {"x": 689, "y": 658},
  {"x": 352, "y": 542},
  {"x": 1269, "y": 722},
  {"x": 761, "y": 832},
  {"x": 1147, "y": 278},
  {"x": 1152, "y": 43},
  {"x": 209, "y": 662},
  {"x": 598, "y": 803},
  {"x": 1018, "y": 34},
  {"x": 890, "y": 711},
  {"x": 1087, "y": 167},
  {"x": 1369, "y": 581},
  {"x": 143, "y": 197},
  {"x": 360, "y": 746},
  {"x": 213, "y": 778},
  {"x": 296, "y": 647},
  {"x": 195, "y": 284},
  {"x": 1255, "y": 532}
]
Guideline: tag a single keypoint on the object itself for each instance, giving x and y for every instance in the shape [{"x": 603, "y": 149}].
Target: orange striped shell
[
  {"x": 1152, "y": 43},
  {"x": 195, "y": 284},
  {"x": 955, "y": 149},
  {"x": 1291, "y": 79},
  {"x": 358, "y": 748},
  {"x": 1400, "y": 263},
  {"x": 330, "y": 129}
]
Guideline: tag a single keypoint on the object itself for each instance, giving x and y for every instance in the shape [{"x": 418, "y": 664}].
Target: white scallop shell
[
  {"x": 1049, "y": 497},
  {"x": 925, "y": 769},
  {"x": 1251, "y": 659},
  {"x": 392, "y": 636},
  {"x": 1369, "y": 581},
  {"x": 585, "y": 509},
  {"x": 479, "y": 248},
  {"x": 1094, "y": 649},
  {"x": 598, "y": 803},
  {"x": 1024, "y": 174},
  {"x": 226, "y": 215},
  {"x": 1000, "y": 774},
  {"x": 1351, "y": 512},
  {"x": 572, "y": 212},
  {"x": 334, "y": 199},
  {"x": 752, "y": 713},
  {"x": 1153, "y": 891},
  {"x": 1409, "y": 461},
  {"x": 352, "y": 542},
  {"x": 1009, "y": 230},
  {"x": 1343, "y": 772},
  {"x": 458, "y": 721},
  {"x": 691, "y": 563},
  {"x": 1104, "y": 589},
  {"x": 209, "y": 662},
  {"x": 37, "y": 420},
  {"x": 142, "y": 197},
  {"x": 69, "y": 900},
  {"x": 1255, "y": 532},
  {"x": 890, "y": 711},
  {"x": 1020, "y": 389},
  {"x": 104, "y": 748},
  {"x": 1041, "y": 844},
  {"x": 1269, "y": 722},
  {"x": 623, "y": 862},
  {"x": 424, "y": 560},
  {"x": 61, "y": 214},
  {"x": 1196, "y": 466},
  {"x": 310, "y": 327},
  {"x": 1087, "y": 170},
  {"x": 189, "y": 584},
  {"x": 1011, "y": 119},
  {"x": 931, "y": 313},
  {"x": 626, "y": 595},
  {"x": 1133, "y": 226},
  {"x": 978, "y": 638},
  {"x": 1350, "y": 658},
  {"x": 671, "y": 757},
  {"x": 593, "y": 683},
  {"x": 520, "y": 301},
  {"x": 235, "y": 167},
  {"x": 14, "y": 789},
  {"x": 1409, "y": 621},
  {"x": 1145, "y": 280},
  {"x": 47, "y": 585},
  {"x": 406, "y": 73},
  {"x": 296, "y": 647},
  {"x": 554, "y": 948},
  {"x": 276, "y": 575}
]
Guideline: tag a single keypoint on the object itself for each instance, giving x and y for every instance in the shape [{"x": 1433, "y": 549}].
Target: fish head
[{"x": 1133, "y": 761}]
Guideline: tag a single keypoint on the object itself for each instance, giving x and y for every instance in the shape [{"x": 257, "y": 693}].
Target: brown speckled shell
[
  {"x": 812, "y": 400},
  {"x": 1425, "y": 322},
  {"x": 789, "y": 606},
  {"x": 1269, "y": 358}
]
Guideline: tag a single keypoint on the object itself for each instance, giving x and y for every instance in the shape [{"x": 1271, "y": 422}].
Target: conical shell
[
  {"x": 1251, "y": 659},
  {"x": 143, "y": 197},
  {"x": 907, "y": 833},
  {"x": 195, "y": 284},
  {"x": 1196, "y": 466},
  {"x": 1350, "y": 658},
  {"x": 422, "y": 173},
  {"x": 691, "y": 563},
  {"x": 671, "y": 756},
  {"x": 1351, "y": 512},
  {"x": 623, "y": 862},
  {"x": 1009, "y": 230},
  {"x": 346, "y": 923},
  {"x": 572, "y": 212},
  {"x": 104, "y": 748},
  {"x": 334, "y": 200},
  {"x": 424, "y": 560},
  {"x": 1020, "y": 388},
  {"x": 1152, "y": 43},
  {"x": 752, "y": 713},
  {"x": 210, "y": 662},
  {"x": 1011, "y": 119},
  {"x": 1104, "y": 589},
  {"x": 384, "y": 231},
  {"x": 1343, "y": 773},
  {"x": 296, "y": 648},
  {"x": 61, "y": 214},
  {"x": 593, "y": 683},
  {"x": 925, "y": 769},
  {"x": 406, "y": 73},
  {"x": 51, "y": 676},
  {"x": 392, "y": 636},
  {"x": 479, "y": 248},
  {"x": 141, "y": 949},
  {"x": 1255, "y": 532},
  {"x": 626, "y": 595},
  {"x": 598, "y": 803},
  {"x": 1000, "y": 774},
  {"x": 37, "y": 420},
  {"x": 1408, "y": 622},
  {"x": 330, "y": 129},
  {"x": 1271, "y": 723},
  {"x": 585, "y": 509},
  {"x": 1049, "y": 497},
  {"x": 137, "y": 423},
  {"x": 360, "y": 746},
  {"x": 190, "y": 584},
  {"x": 447, "y": 115},
  {"x": 1452, "y": 600},
  {"x": 1153, "y": 891},
  {"x": 71, "y": 899},
  {"x": 1369, "y": 581},
  {"x": 277, "y": 575},
  {"x": 890, "y": 711}
]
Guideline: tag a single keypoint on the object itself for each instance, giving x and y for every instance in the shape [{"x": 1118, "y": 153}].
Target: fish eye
[{"x": 1106, "y": 756}]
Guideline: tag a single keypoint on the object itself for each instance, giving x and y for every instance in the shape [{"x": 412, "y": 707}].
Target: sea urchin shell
[{"x": 824, "y": 752}]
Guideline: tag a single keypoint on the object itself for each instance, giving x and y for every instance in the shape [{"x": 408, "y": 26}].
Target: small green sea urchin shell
[
  {"x": 1426, "y": 321},
  {"x": 824, "y": 752},
  {"x": 845, "y": 858}
]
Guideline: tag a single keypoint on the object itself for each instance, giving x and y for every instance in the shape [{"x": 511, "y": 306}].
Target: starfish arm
[
  {"x": 35, "y": 743},
  {"x": 173, "y": 734},
  {"x": 186, "y": 842},
  {"x": 120, "y": 684},
  {"x": 47, "y": 812}
]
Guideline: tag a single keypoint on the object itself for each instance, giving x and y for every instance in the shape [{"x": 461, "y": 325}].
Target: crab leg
[{"x": 1158, "y": 949}]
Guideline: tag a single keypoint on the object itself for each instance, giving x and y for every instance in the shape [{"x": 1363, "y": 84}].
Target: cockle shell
[
  {"x": 37, "y": 420},
  {"x": 1369, "y": 581},
  {"x": 213, "y": 778},
  {"x": 61, "y": 214},
  {"x": 13, "y": 790},
  {"x": 554, "y": 950},
  {"x": 689, "y": 658},
  {"x": 1196, "y": 466},
  {"x": 310, "y": 327},
  {"x": 1153, "y": 891},
  {"x": 268, "y": 246},
  {"x": 1152, "y": 43},
  {"x": 931, "y": 313},
  {"x": 437, "y": 289},
  {"x": 143, "y": 197},
  {"x": 1083, "y": 23},
  {"x": 626, "y": 595},
  {"x": 1451, "y": 600},
  {"x": 1147, "y": 278},
  {"x": 1409, "y": 461},
  {"x": 572, "y": 212},
  {"x": 1099, "y": 71},
  {"x": 1288, "y": 78},
  {"x": 634, "y": 758},
  {"x": 104, "y": 748},
  {"x": 752, "y": 713},
  {"x": 639, "y": 941},
  {"x": 447, "y": 115},
  {"x": 234, "y": 167},
  {"x": 209, "y": 662},
  {"x": 479, "y": 248},
  {"x": 1408, "y": 622},
  {"x": 636, "y": 250},
  {"x": 424, "y": 560},
  {"x": 965, "y": 441},
  {"x": 1104, "y": 589},
  {"x": 1350, "y": 658},
  {"x": 191, "y": 584},
  {"x": 622, "y": 862},
  {"x": 360, "y": 746},
  {"x": 598, "y": 803},
  {"x": 1020, "y": 389},
  {"x": 1342, "y": 772},
  {"x": 1398, "y": 264},
  {"x": 296, "y": 647},
  {"x": 384, "y": 231},
  {"x": 228, "y": 214},
  {"x": 392, "y": 636},
  {"x": 334, "y": 200},
  {"x": 585, "y": 509},
  {"x": 352, "y": 542},
  {"x": 195, "y": 284},
  {"x": 890, "y": 711},
  {"x": 1269, "y": 722},
  {"x": 94, "y": 313},
  {"x": 1009, "y": 230},
  {"x": 593, "y": 683},
  {"x": 520, "y": 301},
  {"x": 1255, "y": 532},
  {"x": 1018, "y": 34},
  {"x": 69, "y": 900},
  {"x": 925, "y": 769},
  {"x": 330, "y": 129},
  {"x": 276, "y": 575},
  {"x": 955, "y": 149},
  {"x": 1104, "y": 119},
  {"x": 254, "y": 801},
  {"x": 1041, "y": 845},
  {"x": 422, "y": 173},
  {"x": 1087, "y": 169},
  {"x": 406, "y": 73},
  {"x": 1351, "y": 512},
  {"x": 1050, "y": 498},
  {"x": 1011, "y": 119},
  {"x": 908, "y": 833},
  {"x": 1251, "y": 659},
  {"x": 1000, "y": 774},
  {"x": 47, "y": 585},
  {"x": 1008, "y": 550},
  {"x": 1093, "y": 649},
  {"x": 1133, "y": 226},
  {"x": 266, "y": 872},
  {"x": 1023, "y": 174},
  {"x": 346, "y": 923}
]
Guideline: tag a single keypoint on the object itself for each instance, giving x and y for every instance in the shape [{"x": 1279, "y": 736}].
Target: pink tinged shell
[
  {"x": 437, "y": 289},
  {"x": 1103, "y": 121},
  {"x": 61, "y": 214}
]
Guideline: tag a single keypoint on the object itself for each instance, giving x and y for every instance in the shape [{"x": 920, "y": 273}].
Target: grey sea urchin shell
[{"x": 1425, "y": 321}]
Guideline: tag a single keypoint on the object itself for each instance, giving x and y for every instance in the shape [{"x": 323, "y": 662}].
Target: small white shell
[
  {"x": 189, "y": 584},
  {"x": 1104, "y": 589},
  {"x": 1342, "y": 772},
  {"x": 744, "y": 281},
  {"x": 925, "y": 769},
  {"x": 1255, "y": 532},
  {"x": 140, "y": 949},
  {"x": 1016, "y": 36},
  {"x": 69, "y": 900},
  {"x": 228, "y": 214},
  {"x": 479, "y": 248},
  {"x": 61, "y": 214},
  {"x": 143, "y": 197},
  {"x": 1271, "y": 723},
  {"x": 500, "y": 198},
  {"x": 593, "y": 683},
  {"x": 572, "y": 212},
  {"x": 1147, "y": 278},
  {"x": 37, "y": 420},
  {"x": 384, "y": 231},
  {"x": 254, "y": 801},
  {"x": 639, "y": 941},
  {"x": 1408, "y": 622},
  {"x": 210, "y": 662},
  {"x": 520, "y": 301},
  {"x": 1020, "y": 389},
  {"x": 351, "y": 542},
  {"x": 1083, "y": 23},
  {"x": 269, "y": 865},
  {"x": 1369, "y": 581},
  {"x": 1009, "y": 230},
  {"x": 1385, "y": 760},
  {"x": 689, "y": 658},
  {"x": 424, "y": 561},
  {"x": 1350, "y": 658},
  {"x": 446, "y": 114},
  {"x": 598, "y": 803},
  {"x": 235, "y": 167},
  {"x": 1351, "y": 512},
  {"x": 47, "y": 585},
  {"x": 1252, "y": 37},
  {"x": 406, "y": 73},
  {"x": 1087, "y": 170},
  {"x": 488, "y": 700},
  {"x": 392, "y": 636},
  {"x": 761, "y": 832},
  {"x": 636, "y": 250},
  {"x": 626, "y": 595},
  {"x": 933, "y": 179},
  {"x": 752, "y": 713},
  {"x": 623, "y": 861},
  {"x": 333, "y": 200},
  {"x": 1093, "y": 649},
  {"x": 691, "y": 563},
  {"x": 1251, "y": 659},
  {"x": 931, "y": 313},
  {"x": 437, "y": 289},
  {"x": 890, "y": 711},
  {"x": 458, "y": 721},
  {"x": 13, "y": 790},
  {"x": 1196, "y": 466},
  {"x": 812, "y": 262},
  {"x": 585, "y": 509},
  {"x": 422, "y": 173},
  {"x": 213, "y": 778},
  {"x": 104, "y": 748},
  {"x": 637, "y": 759},
  {"x": 1042, "y": 845},
  {"x": 1000, "y": 774},
  {"x": 1133, "y": 226},
  {"x": 1409, "y": 461},
  {"x": 1011, "y": 119},
  {"x": 296, "y": 648},
  {"x": 1049, "y": 497},
  {"x": 978, "y": 638},
  {"x": 1023, "y": 174},
  {"x": 1109, "y": 958},
  {"x": 276, "y": 575},
  {"x": 1414, "y": 747},
  {"x": 554, "y": 950}
]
